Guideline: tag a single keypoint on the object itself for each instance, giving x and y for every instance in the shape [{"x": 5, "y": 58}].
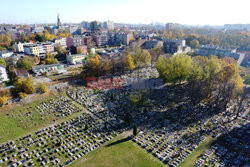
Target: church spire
[{"x": 58, "y": 21}]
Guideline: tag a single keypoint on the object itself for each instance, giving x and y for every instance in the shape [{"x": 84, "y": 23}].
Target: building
[
  {"x": 79, "y": 49},
  {"x": 86, "y": 25},
  {"x": 21, "y": 72},
  {"x": 108, "y": 25},
  {"x": 19, "y": 47},
  {"x": 151, "y": 44},
  {"x": 48, "y": 47},
  {"x": 171, "y": 26},
  {"x": 174, "y": 46},
  {"x": 61, "y": 41},
  {"x": 31, "y": 49},
  {"x": 123, "y": 38},
  {"x": 87, "y": 40},
  {"x": 75, "y": 40},
  {"x": 39, "y": 70},
  {"x": 101, "y": 40},
  {"x": 95, "y": 25},
  {"x": 3, "y": 74},
  {"x": 76, "y": 59},
  {"x": 207, "y": 50},
  {"x": 59, "y": 24},
  {"x": 5, "y": 53},
  {"x": 41, "y": 49}
]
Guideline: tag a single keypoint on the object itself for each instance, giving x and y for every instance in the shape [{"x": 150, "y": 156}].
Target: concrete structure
[
  {"x": 31, "y": 49},
  {"x": 151, "y": 44},
  {"x": 101, "y": 40},
  {"x": 5, "y": 53},
  {"x": 207, "y": 50},
  {"x": 39, "y": 70},
  {"x": 76, "y": 49},
  {"x": 75, "y": 40},
  {"x": 3, "y": 74},
  {"x": 19, "y": 47},
  {"x": 108, "y": 25},
  {"x": 95, "y": 25},
  {"x": 61, "y": 41},
  {"x": 76, "y": 59},
  {"x": 48, "y": 47},
  {"x": 174, "y": 46},
  {"x": 123, "y": 38}
]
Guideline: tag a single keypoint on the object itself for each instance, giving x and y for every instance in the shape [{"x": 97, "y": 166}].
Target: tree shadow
[{"x": 118, "y": 142}]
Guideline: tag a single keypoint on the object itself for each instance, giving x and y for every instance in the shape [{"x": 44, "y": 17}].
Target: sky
[{"x": 191, "y": 12}]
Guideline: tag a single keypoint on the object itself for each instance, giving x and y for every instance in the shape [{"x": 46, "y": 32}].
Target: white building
[
  {"x": 41, "y": 49},
  {"x": 5, "y": 53},
  {"x": 19, "y": 47},
  {"x": 3, "y": 74},
  {"x": 61, "y": 42}
]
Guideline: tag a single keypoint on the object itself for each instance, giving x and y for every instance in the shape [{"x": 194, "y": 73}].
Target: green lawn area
[
  {"x": 193, "y": 157},
  {"x": 123, "y": 154}
]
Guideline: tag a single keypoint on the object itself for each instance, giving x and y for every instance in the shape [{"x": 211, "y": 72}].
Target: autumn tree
[
  {"x": 130, "y": 62},
  {"x": 50, "y": 59},
  {"x": 194, "y": 43},
  {"x": 174, "y": 69},
  {"x": 3, "y": 100},
  {"x": 2, "y": 62},
  {"x": 43, "y": 88},
  {"x": 28, "y": 85}
]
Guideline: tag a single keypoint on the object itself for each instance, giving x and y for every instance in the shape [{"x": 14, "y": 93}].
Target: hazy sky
[{"x": 214, "y": 12}]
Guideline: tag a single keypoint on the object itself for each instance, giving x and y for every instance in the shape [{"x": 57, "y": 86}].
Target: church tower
[{"x": 59, "y": 24}]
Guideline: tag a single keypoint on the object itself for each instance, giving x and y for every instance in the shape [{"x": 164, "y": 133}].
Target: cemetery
[{"x": 83, "y": 120}]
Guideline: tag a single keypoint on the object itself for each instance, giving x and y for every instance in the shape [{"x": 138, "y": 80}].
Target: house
[
  {"x": 76, "y": 59},
  {"x": 39, "y": 70},
  {"x": 5, "y": 53},
  {"x": 3, "y": 74},
  {"x": 21, "y": 72}
]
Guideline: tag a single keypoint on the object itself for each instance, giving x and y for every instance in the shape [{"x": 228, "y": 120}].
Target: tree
[
  {"x": 86, "y": 127},
  {"x": 28, "y": 85},
  {"x": 135, "y": 130},
  {"x": 13, "y": 48},
  {"x": 50, "y": 59},
  {"x": 128, "y": 117},
  {"x": 7, "y": 40},
  {"x": 43, "y": 88},
  {"x": 3, "y": 100},
  {"x": 174, "y": 69},
  {"x": 26, "y": 62},
  {"x": 130, "y": 62},
  {"x": 22, "y": 95},
  {"x": 2, "y": 62},
  {"x": 194, "y": 43}
]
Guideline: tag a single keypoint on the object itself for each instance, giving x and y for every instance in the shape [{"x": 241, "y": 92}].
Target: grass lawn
[
  {"x": 193, "y": 157},
  {"x": 123, "y": 154}
]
